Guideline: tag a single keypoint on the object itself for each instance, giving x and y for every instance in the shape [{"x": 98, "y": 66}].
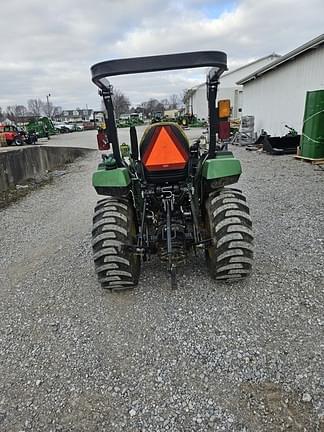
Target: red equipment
[{"x": 102, "y": 140}]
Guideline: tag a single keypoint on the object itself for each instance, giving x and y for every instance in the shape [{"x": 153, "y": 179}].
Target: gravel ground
[{"x": 244, "y": 356}]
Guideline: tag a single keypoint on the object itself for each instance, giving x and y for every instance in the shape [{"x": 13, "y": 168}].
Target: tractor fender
[
  {"x": 115, "y": 182},
  {"x": 224, "y": 166}
]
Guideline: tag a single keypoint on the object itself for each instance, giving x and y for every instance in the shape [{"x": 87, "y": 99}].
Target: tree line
[
  {"x": 38, "y": 108},
  {"x": 35, "y": 108},
  {"x": 122, "y": 104}
]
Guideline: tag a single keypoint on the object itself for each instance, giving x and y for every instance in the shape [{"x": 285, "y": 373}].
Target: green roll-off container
[{"x": 312, "y": 142}]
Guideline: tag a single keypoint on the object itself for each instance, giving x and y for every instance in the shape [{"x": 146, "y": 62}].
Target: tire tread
[
  {"x": 230, "y": 226},
  {"x": 116, "y": 267}
]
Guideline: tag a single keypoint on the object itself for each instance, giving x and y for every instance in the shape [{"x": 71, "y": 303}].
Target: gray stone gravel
[{"x": 244, "y": 356}]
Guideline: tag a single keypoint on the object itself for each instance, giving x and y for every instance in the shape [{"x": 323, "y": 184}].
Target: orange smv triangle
[{"x": 165, "y": 153}]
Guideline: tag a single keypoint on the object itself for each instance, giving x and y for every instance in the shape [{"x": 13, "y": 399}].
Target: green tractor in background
[
  {"x": 43, "y": 127},
  {"x": 128, "y": 120},
  {"x": 168, "y": 198},
  {"x": 190, "y": 120},
  {"x": 156, "y": 117}
]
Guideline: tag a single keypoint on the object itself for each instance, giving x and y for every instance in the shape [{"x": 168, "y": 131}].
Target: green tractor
[
  {"x": 169, "y": 198},
  {"x": 43, "y": 127},
  {"x": 190, "y": 120}
]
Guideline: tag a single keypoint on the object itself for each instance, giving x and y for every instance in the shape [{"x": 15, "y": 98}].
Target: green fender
[
  {"x": 220, "y": 167},
  {"x": 118, "y": 177}
]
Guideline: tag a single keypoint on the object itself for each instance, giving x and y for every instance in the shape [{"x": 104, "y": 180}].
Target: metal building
[
  {"x": 228, "y": 89},
  {"x": 275, "y": 94}
]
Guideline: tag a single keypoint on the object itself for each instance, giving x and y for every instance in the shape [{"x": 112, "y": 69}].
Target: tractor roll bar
[
  {"x": 215, "y": 59},
  {"x": 157, "y": 63}
]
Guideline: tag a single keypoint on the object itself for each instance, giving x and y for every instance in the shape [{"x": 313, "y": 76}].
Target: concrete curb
[{"x": 28, "y": 163}]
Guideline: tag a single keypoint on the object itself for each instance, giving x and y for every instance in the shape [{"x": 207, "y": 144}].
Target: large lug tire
[
  {"x": 230, "y": 255},
  {"x": 117, "y": 267}
]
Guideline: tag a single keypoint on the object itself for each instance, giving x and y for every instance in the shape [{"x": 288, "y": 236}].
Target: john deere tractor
[{"x": 169, "y": 197}]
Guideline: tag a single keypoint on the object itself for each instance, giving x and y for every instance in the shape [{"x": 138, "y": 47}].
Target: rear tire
[
  {"x": 117, "y": 267},
  {"x": 18, "y": 142},
  {"x": 230, "y": 255}
]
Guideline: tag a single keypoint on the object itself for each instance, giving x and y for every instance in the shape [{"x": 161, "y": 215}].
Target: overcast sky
[{"x": 48, "y": 47}]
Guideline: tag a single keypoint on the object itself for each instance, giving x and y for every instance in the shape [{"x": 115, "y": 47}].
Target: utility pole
[{"x": 48, "y": 110}]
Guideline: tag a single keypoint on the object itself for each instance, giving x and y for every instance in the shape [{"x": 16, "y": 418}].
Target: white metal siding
[
  {"x": 199, "y": 103},
  {"x": 227, "y": 89},
  {"x": 229, "y": 79},
  {"x": 278, "y": 97},
  {"x": 199, "y": 100}
]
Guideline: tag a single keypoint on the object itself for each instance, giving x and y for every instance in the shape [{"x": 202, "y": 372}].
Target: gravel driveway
[{"x": 244, "y": 356}]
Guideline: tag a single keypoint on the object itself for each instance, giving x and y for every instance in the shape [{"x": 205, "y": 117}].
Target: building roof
[
  {"x": 274, "y": 55},
  {"x": 312, "y": 44}
]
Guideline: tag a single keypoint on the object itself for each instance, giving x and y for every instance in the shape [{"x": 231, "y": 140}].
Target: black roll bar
[{"x": 215, "y": 59}]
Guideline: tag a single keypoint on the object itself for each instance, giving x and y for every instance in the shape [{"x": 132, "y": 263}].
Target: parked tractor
[
  {"x": 12, "y": 135},
  {"x": 42, "y": 127},
  {"x": 190, "y": 120},
  {"x": 15, "y": 136},
  {"x": 128, "y": 120},
  {"x": 157, "y": 117},
  {"x": 169, "y": 198}
]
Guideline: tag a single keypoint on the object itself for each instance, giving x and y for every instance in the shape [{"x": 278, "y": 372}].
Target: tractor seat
[{"x": 164, "y": 150}]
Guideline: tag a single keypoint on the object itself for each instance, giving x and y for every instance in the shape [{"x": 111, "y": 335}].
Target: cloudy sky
[{"x": 48, "y": 47}]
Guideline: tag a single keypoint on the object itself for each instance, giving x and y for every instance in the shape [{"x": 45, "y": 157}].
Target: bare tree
[
  {"x": 47, "y": 108},
  {"x": 165, "y": 103},
  {"x": 21, "y": 111},
  {"x": 11, "y": 113},
  {"x": 151, "y": 106},
  {"x": 35, "y": 107},
  {"x": 17, "y": 113},
  {"x": 121, "y": 103},
  {"x": 2, "y": 115},
  {"x": 174, "y": 101},
  {"x": 155, "y": 106}
]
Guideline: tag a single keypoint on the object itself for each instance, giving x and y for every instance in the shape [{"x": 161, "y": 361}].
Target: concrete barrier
[
  {"x": 27, "y": 163},
  {"x": 3, "y": 141}
]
